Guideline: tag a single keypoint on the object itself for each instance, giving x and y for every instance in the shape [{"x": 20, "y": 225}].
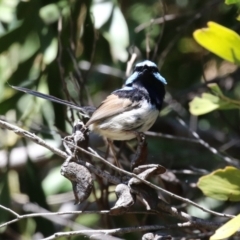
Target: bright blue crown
[{"x": 146, "y": 63}]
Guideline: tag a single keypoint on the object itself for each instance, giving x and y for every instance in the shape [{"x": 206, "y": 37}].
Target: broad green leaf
[
  {"x": 209, "y": 102},
  {"x": 28, "y": 228},
  {"x": 16, "y": 34},
  {"x": 220, "y": 40},
  {"x": 199, "y": 106},
  {"x": 118, "y": 35},
  {"x": 50, "y": 53},
  {"x": 49, "y": 13},
  {"x": 29, "y": 47},
  {"x": 222, "y": 184},
  {"x": 228, "y": 229},
  {"x": 228, "y": 2},
  {"x": 8, "y": 10},
  {"x": 33, "y": 188},
  {"x": 114, "y": 27},
  {"x": 215, "y": 89},
  {"x": 55, "y": 183},
  {"x": 98, "y": 8}
]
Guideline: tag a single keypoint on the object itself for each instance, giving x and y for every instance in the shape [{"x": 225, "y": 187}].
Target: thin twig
[
  {"x": 161, "y": 34},
  {"x": 23, "y": 133},
  {"x": 53, "y": 217},
  {"x": 155, "y": 21},
  {"x": 103, "y": 69},
  {"x": 210, "y": 148},
  {"x": 118, "y": 230},
  {"x": 61, "y": 69},
  {"x": 9, "y": 210},
  {"x": 39, "y": 141},
  {"x": 130, "y": 64},
  {"x": 95, "y": 154},
  {"x": 192, "y": 221},
  {"x": 168, "y": 136},
  {"x": 183, "y": 28},
  {"x": 47, "y": 214}
]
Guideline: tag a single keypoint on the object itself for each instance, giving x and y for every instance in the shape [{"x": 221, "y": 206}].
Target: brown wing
[{"x": 110, "y": 107}]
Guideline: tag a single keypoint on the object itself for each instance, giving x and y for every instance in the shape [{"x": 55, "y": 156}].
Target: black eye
[
  {"x": 138, "y": 69},
  {"x": 152, "y": 69}
]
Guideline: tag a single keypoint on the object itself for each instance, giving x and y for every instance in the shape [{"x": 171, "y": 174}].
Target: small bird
[{"x": 128, "y": 111}]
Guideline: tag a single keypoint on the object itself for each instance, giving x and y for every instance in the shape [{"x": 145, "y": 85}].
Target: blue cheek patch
[
  {"x": 159, "y": 77},
  {"x": 131, "y": 79}
]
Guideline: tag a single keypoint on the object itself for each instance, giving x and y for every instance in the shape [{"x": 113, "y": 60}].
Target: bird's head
[{"x": 144, "y": 70}]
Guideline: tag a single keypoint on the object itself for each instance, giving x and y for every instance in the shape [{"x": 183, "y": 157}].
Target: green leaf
[
  {"x": 215, "y": 89},
  {"x": 112, "y": 19},
  {"x": 50, "y": 52},
  {"x": 222, "y": 184},
  {"x": 228, "y": 2},
  {"x": 55, "y": 183},
  {"x": 220, "y": 40},
  {"x": 7, "y": 13},
  {"x": 49, "y": 13},
  {"x": 206, "y": 104},
  {"x": 29, "y": 47},
  {"x": 228, "y": 229},
  {"x": 16, "y": 34},
  {"x": 98, "y": 8},
  {"x": 119, "y": 40},
  {"x": 33, "y": 188},
  {"x": 209, "y": 102}
]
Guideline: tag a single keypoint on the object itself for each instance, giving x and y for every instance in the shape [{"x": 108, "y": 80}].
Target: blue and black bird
[{"x": 128, "y": 111}]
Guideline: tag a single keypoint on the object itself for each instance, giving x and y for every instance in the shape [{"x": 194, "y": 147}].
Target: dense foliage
[{"x": 78, "y": 50}]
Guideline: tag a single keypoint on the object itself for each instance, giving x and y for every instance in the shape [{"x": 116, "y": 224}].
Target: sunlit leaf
[
  {"x": 49, "y": 13},
  {"x": 220, "y": 40},
  {"x": 199, "y": 106},
  {"x": 118, "y": 36},
  {"x": 50, "y": 52},
  {"x": 29, "y": 228},
  {"x": 209, "y": 102},
  {"x": 32, "y": 182},
  {"x": 228, "y": 2},
  {"x": 98, "y": 8},
  {"x": 228, "y": 229},
  {"x": 215, "y": 89},
  {"x": 13, "y": 36},
  {"x": 29, "y": 47},
  {"x": 6, "y": 13},
  {"x": 238, "y": 18},
  {"x": 55, "y": 183},
  {"x": 222, "y": 184}
]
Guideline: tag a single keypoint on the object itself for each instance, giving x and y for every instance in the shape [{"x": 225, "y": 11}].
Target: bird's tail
[{"x": 85, "y": 111}]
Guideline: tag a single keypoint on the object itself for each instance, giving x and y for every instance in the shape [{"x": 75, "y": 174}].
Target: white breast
[{"x": 122, "y": 126}]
